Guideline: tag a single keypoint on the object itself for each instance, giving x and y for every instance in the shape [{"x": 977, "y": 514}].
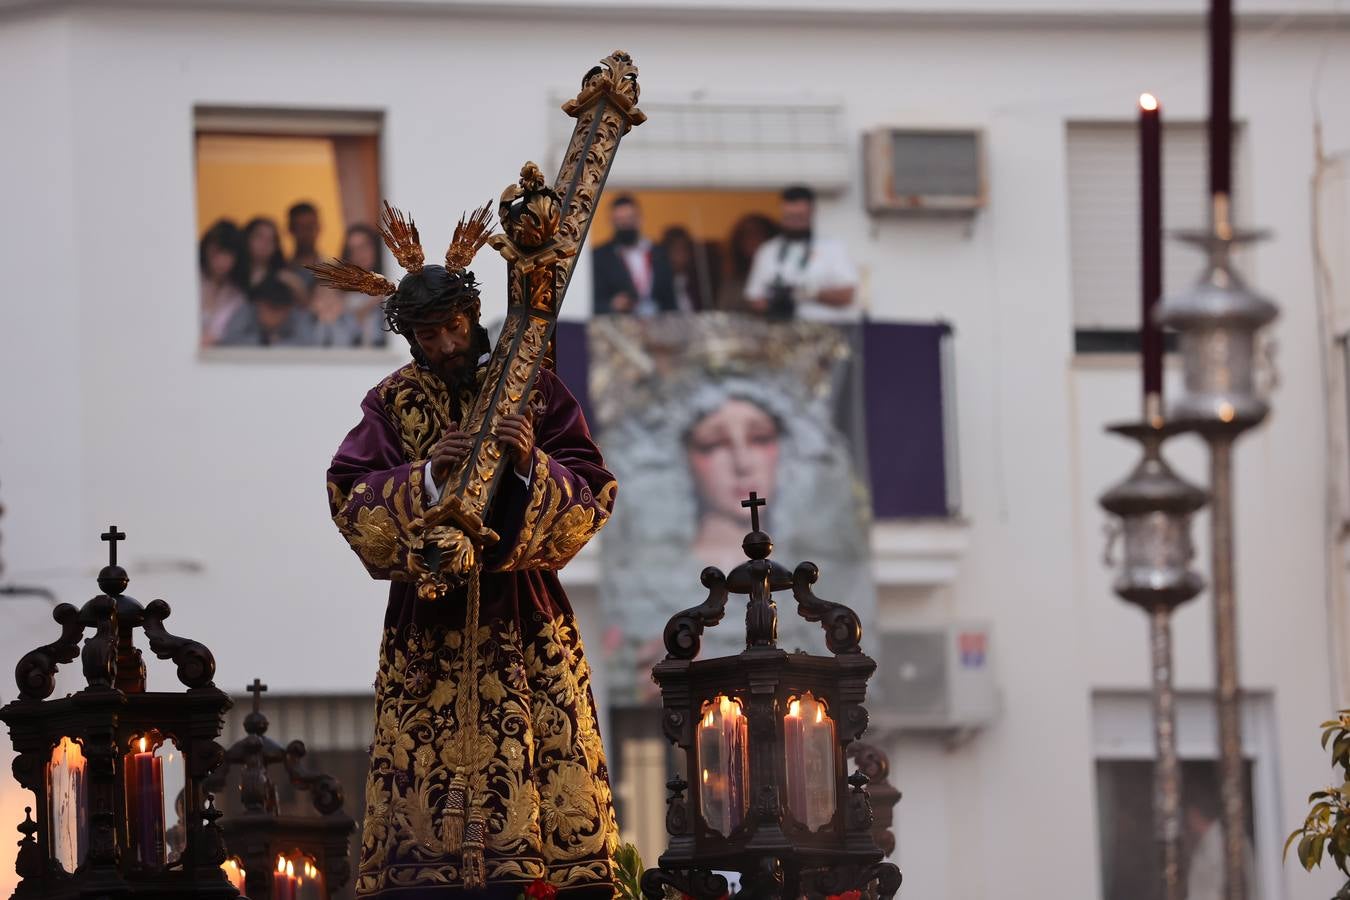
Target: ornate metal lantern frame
[
  {"x": 791, "y": 827},
  {"x": 260, "y": 837},
  {"x": 111, "y": 845}
]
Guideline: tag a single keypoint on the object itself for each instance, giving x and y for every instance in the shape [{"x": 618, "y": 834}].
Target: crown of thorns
[{"x": 400, "y": 236}]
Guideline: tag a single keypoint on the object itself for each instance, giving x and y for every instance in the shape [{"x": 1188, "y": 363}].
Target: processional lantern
[
  {"x": 765, "y": 735},
  {"x": 274, "y": 856},
  {"x": 118, "y": 771}
]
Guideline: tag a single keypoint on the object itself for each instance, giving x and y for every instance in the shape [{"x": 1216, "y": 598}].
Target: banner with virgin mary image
[{"x": 693, "y": 414}]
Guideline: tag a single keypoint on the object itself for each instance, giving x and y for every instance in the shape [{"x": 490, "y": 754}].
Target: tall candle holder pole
[
  {"x": 1218, "y": 320},
  {"x": 1155, "y": 506}
]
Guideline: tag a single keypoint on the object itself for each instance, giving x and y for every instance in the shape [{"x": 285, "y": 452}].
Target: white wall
[{"x": 111, "y": 416}]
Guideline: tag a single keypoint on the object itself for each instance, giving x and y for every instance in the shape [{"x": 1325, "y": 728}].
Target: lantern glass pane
[
  {"x": 143, "y": 771},
  {"x": 175, "y": 817},
  {"x": 809, "y": 754},
  {"x": 723, "y": 764},
  {"x": 68, "y": 804}
]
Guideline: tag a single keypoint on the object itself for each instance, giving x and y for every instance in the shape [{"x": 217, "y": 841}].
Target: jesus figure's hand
[
  {"x": 449, "y": 453},
  {"x": 516, "y": 436}
]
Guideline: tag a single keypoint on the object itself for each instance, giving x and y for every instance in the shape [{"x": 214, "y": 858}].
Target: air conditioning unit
[
  {"x": 937, "y": 678},
  {"x": 911, "y": 171}
]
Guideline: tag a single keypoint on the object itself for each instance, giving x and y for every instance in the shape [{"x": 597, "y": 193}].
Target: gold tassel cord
[
  {"x": 460, "y": 806},
  {"x": 401, "y": 237},
  {"x": 472, "y": 861},
  {"x": 471, "y": 234}
]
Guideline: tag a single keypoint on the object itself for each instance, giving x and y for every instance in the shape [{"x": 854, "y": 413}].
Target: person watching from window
[
  {"x": 801, "y": 274},
  {"x": 631, "y": 274}
]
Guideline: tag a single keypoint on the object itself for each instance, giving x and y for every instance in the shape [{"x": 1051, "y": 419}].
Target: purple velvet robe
[{"x": 539, "y": 765}]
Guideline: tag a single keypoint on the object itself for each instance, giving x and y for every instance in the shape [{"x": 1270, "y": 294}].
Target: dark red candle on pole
[
  {"x": 1220, "y": 97},
  {"x": 1150, "y": 246}
]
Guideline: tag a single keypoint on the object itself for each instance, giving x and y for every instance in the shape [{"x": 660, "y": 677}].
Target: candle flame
[
  {"x": 795, "y": 708},
  {"x": 708, "y": 719},
  {"x": 820, "y": 714},
  {"x": 143, "y": 742},
  {"x": 705, "y": 776},
  {"x": 1148, "y": 102},
  {"x": 281, "y": 864},
  {"x": 290, "y": 869}
]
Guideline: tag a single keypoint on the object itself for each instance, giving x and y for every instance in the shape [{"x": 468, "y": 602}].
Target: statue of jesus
[{"x": 487, "y": 772}]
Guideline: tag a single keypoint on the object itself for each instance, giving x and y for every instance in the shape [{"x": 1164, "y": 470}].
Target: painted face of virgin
[
  {"x": 448, "y": 347},
  {"x": 733, "y": 451}
]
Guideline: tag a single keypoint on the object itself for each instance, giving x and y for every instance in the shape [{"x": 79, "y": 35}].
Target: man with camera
[{"x": 799, "y": 274}]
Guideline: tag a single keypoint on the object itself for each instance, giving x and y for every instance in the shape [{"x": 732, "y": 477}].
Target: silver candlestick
[
  {"x": 1155, "y": 507},
  {"x": 1218, "y": 320}
]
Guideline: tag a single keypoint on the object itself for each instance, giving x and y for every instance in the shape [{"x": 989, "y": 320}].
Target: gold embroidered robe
[{"x": 538, "y": 765}]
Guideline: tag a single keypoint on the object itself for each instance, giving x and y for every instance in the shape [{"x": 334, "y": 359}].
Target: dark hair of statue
[
  {"x": 430, "y": 297},
  {"x": 799, "y": 192}
]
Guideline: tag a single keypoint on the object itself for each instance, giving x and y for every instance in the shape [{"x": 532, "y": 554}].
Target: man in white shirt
[{"x": 799, "y": 274}]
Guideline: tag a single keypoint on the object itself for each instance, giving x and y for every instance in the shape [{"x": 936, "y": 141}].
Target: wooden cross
[
  {"x": 112, "y": 536},
  {"x": 753, "y": 504},
  {"x": 256, "y": 689}
]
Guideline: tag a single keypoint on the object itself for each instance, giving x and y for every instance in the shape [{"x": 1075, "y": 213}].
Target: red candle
[
  {"x": 1220, "y": 97},
  {"x": 283, "y": 880},
  {"x": 1150, "y": 243},
  {"x": 145, "y": 804}
]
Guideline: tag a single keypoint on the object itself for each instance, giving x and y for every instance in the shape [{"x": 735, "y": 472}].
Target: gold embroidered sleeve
[
  {"x": 561, "y": 514},
  {"x": 375, "y": 496}
]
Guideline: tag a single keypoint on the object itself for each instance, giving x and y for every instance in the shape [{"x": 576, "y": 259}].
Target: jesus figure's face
[{"x": 448, "y": 347}]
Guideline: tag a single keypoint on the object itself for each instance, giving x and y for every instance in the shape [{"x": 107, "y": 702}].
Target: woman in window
[
  {"x": 262, "y": 252},
  {"x": 218, "y": 256},
  {"x": 361, "y": 247},
  {"x": 749, "y": 232}
]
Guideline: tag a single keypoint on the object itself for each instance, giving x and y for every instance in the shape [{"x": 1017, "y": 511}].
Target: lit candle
[
  {"x": 734, "y": 727},
  {"x": 795, "y": 760},
  {"x": 234, "y": 873},
  {"x": 283, "y": 880},
  {"x": 308, "y": 885},
  {"x": 145, "y": 804},
  {"x": 1150, "y": 244},
  {"x": 819, "y": 750}
]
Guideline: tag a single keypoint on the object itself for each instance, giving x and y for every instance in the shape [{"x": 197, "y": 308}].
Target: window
[
  {"x": 277, "y": 191},
  {"x": 1103, "y": 173},
  {"x": 1123, "y": 742}
]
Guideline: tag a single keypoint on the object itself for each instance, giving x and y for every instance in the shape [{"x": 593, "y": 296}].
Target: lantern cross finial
[
  {"x": 256, "y": 689},
  {"x": 112, "y": 536},
  {"x": 753, "y": 504}
]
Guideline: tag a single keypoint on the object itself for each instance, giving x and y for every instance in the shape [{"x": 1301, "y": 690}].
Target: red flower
[
  {"x": 846, "y": 895},
  {"x": 540, "y": 889}
]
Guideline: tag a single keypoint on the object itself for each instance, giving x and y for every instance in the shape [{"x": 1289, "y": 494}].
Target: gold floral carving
[{"x": 550, "y": 811}]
